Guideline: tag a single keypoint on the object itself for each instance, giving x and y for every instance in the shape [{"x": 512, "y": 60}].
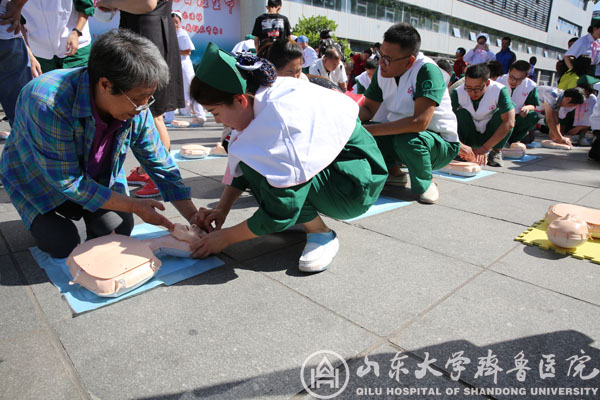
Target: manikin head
[
  {"x": 477, "y": 79},
  {"x": 399, "y": 50}
]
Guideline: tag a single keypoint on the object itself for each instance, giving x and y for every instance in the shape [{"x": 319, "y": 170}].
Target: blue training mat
[
  {"x": 173, "y": 270},
  {"x": 482, "y": 174},
  {"x": 525, "y": 158},
  {"x": 533, "y": 145},
  {"x": 178, "y": 158},
  {"x": 382, "y": 204}
]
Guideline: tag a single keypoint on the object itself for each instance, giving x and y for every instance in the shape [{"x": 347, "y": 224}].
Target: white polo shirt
[{"x": 338, "y": 75}]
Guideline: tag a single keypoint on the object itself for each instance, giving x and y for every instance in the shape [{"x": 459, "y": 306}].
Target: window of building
[
  {"x": 516, "y": 8},
  {"x": 578, "y": 3},
  {"x": 565, "y": 26}
]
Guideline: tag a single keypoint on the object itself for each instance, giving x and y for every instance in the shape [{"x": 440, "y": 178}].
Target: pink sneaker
[
  {"x": 150, "y": 190},
  {"x": 135, "y": 178}
]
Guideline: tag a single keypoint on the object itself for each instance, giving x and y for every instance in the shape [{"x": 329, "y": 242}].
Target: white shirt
[
  {"x": 310, "y": 56},
  {"x": 479, "y": 56},
  {"x": 338, "y": 75},
  {"x": 585, "y": 46},
  {"x": 49, "y": 24},
  {"x": 4, "y": 34}
]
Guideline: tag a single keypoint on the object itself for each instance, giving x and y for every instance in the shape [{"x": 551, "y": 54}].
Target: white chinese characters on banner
[{"x": 204, "y": 20}]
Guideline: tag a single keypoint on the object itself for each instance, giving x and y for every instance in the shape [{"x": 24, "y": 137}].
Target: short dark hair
[
  {"x": 507, "y": 38},
  {"x": 533, "y": 60},
  {"x": 445, "y": 65},
  {"x": 461, "y": 50},
  {"x": 332, "y": 52},
  {"x": 128, "y": 61},
  {"x": 581, "y": 64},
  {"x": 377, "y": 45},
  {"x": 576, "y": 94},
  {"x": 520, "y": 65},
  {"x": 326, "y": 34},
  {"x": 478, "y": 71},
  {"x": 371, "y": 64},
  {"x": 572, "y": 40},
  {"x": 405, "y": 35},
  {"x": 280, "y": 52},
  {"x": 368, "y": 51},
  {"x": 274, "y": 3},
  {"x": 496, "y": 68},
  {"x": 589, "y": 89}
]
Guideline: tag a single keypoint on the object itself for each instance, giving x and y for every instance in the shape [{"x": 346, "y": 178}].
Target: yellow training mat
[{"x": 536, "y": 235}]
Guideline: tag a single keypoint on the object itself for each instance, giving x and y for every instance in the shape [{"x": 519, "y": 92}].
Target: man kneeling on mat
[{"x": 485, "y": 113}]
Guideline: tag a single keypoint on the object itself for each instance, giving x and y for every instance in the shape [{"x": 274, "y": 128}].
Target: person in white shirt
[
  {"x": 309, "y": 54},
  {"x": 588, "y": 45},
  {"x": 58, "y": 32},
  {"x": 330, "y": 67},
  {"x": 481, "y": 53},
  {"x": 185, "y": 49}
]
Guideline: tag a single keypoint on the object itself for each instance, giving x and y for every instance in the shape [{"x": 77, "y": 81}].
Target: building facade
[{"x": 539, "y": 28}]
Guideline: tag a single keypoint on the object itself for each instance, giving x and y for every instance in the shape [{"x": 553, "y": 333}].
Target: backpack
[{"x": 324, "y": 44}]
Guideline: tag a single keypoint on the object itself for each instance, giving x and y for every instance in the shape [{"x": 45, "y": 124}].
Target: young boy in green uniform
[
  {"x": 485, "y": 113},
  {"x": 523, "y": 93},
  {"x": 421, "y": 131}
]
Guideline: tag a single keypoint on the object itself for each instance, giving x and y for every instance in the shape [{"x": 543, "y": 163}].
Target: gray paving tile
[
  {"x": 558, "y": 170},
  {"x": 16, "y": 234},
  {"x": 498, "y": 204},
  {"x": 499, "y": 314},
  {"x": 534, "y": 187},
  {"x": 31, "y": 369},
  {"x": 215, "y": 336},
  {"x": 49, "y": 298},
  {"x": 363, "y": 271},
  {"x": 472, "y": 238},
  {"x": 548, "y": 269},
  {"x": 17, "y": 311},
  {"x": 592, "y": 199}
]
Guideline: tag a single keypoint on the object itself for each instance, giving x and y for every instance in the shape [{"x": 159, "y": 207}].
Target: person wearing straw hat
[{"x": 296, "y": 159}]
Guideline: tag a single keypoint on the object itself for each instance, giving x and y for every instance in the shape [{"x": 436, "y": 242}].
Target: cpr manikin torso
[
  {"x": 199, "y": 151},
  {"x": 114, "y": 264},
  {"x": 550, "y": 144},
  {"x": 589, "y": 215},
  {"x": 462, "y": 168},
  {"x": 516, "y": 151}
]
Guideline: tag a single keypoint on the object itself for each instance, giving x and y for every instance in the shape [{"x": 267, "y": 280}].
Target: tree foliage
[{"x": 311, "y": 27}]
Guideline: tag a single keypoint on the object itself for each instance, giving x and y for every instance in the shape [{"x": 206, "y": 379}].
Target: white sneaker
[
  {"x": 431, "y": 195},
  {"x": 319, "y": 251},
  {"x": 4, "y": 135}
]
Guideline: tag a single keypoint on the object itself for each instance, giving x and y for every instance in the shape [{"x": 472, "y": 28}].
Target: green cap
[
  {"x": 217, "y": 69},
  {"x": 595, "y": 22},
  {"x": 249, "y": 37},
  {"x": 587, "y": 79}
]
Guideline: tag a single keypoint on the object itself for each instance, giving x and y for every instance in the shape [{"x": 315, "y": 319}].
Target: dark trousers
[{"x": 56, "y": 234}]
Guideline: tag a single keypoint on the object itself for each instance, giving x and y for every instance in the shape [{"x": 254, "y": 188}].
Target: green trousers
[
  {"x": 79, "y": 59},
  {"x": 469, "y": 135},
  {"x": 523, "y": 125},
  {"x": 345, "y": 189},
  {"x": 421, "y": 152}
]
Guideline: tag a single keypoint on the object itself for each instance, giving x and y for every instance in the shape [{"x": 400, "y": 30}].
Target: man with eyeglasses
[
  {"x": 73, "y": 129},
  {"x": 421, "y": 129},
  {"x": 485, "y": 114},
  {"x": 523, "y": 93}
]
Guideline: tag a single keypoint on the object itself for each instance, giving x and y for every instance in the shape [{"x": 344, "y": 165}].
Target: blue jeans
[{"x": 14, "y": 73}]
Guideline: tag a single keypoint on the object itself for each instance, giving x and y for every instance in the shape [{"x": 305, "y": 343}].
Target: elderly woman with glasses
[{"x": 73, "y": 128}]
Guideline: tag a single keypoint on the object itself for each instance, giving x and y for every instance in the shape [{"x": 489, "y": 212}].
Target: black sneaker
[{"x": 495, "y": 159}]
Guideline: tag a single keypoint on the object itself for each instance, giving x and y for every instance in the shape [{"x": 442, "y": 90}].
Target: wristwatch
[{"x": 79, "y": 33}]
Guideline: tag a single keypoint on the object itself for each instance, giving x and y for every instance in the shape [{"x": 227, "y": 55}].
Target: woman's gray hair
[{"x": 128, "y": 61}]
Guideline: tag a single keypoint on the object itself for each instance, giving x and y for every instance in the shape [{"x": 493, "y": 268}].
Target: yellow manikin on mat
[{"x": 536, "y": 235}]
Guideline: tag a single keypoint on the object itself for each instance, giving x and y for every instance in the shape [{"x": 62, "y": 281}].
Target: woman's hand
[
  {"x": 72, "y": 44},
  {"x": 146, "y": 210},
  {"x": 213, "y": 243}
]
